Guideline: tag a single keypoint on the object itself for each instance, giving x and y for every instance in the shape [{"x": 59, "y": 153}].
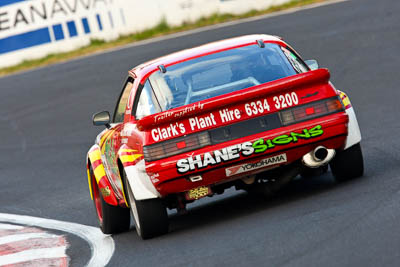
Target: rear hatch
[{"x": 243, "y": 113}]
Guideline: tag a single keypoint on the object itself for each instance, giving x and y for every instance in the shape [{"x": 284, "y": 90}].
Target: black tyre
[
  {"x": 348, "y": 164},
  {"x": 112, "y": 219},
  {"x": 150, "y": 215}
]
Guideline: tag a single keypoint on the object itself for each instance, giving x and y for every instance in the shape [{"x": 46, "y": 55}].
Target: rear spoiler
[{"x": 319, "y": 76}]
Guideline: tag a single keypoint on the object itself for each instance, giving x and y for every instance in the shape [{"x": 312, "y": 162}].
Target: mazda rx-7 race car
[{"x": 247, "y": 112}]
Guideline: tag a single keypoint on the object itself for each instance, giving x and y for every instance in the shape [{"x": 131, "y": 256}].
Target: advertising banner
[{"x": 32, "y": 29}]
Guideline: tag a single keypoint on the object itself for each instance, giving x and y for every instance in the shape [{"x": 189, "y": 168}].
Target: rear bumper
[{"x": 170, "y": 181}]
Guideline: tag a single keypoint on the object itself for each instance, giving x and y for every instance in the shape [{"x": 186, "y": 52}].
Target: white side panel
[
  {"x": 354, "y": 136},
  {"x": 141, "y": 185}
]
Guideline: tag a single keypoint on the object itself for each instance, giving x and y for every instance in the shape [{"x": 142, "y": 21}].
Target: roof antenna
[
  {"x": 162, "y": 68},
  {"x": 261, "y": 43}
]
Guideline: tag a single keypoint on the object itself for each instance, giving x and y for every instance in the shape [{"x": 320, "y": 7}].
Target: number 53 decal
[{"x": 286, "y": 100}]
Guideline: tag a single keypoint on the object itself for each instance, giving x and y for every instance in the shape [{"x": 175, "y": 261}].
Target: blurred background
[{"x": 46, "y": 128}]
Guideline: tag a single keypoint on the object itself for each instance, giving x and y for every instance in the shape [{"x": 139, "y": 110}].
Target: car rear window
[{"x": 221, "y": 73}]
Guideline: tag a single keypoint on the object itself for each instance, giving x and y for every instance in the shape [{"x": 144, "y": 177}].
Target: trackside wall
[{"x": 32, "y": 29}]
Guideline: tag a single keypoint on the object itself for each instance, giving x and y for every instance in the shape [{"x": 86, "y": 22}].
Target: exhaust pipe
[
  {"x": 318, "y": 157},
  {"x": 320, "y": 153}
]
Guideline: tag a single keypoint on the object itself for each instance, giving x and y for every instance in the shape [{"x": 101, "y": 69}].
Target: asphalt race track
[{"x": 46, "y": 130}]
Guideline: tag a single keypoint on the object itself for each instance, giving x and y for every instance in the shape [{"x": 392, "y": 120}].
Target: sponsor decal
[
  {"x": 256, "y": 165},
  {"x": 227, "y": 114},
  {"x": 215, "y": 118},
  {"x": 26, "y": 23},
  {"x": 245, "y": 149},
  {"x": 34, "y": 12},
  {"x": 169, "y": 131},
  {"x": 128, "y": 130},
  {"x": 198, "y": 192},
  {"x": 106, "y": 192},
  {"x": 198, "y": 123},
  {"x": 180, "y": 113},
  {"x": 154, "y": 177}
]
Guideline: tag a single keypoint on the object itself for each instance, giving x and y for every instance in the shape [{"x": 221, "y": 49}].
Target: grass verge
[{"x": 161, "y": 29}]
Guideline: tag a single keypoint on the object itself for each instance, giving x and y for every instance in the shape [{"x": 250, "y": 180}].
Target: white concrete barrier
[{"x": 32, "y": 29}]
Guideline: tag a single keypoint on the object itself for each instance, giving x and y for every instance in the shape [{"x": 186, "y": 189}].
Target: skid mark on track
[
  {"x": 25, "y": 245},
  {"x": 28, "y": 246}
]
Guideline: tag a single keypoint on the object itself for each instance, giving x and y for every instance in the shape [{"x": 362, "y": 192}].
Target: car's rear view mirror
[{"x": 101, "y": 118}]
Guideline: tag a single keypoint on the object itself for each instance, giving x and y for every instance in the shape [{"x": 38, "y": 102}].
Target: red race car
[{"x": 246, "y": 112}]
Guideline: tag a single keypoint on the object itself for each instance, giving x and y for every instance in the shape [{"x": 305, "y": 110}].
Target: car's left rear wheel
[
  {"x": 348, "y": 164},
  {"x": 150, "y": 215},
  {"x": 112, "y": 219}
]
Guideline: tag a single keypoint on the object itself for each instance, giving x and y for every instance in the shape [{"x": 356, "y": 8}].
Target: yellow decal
[
  {"x": 94, "y": 155},
  {"x": 90, "y": 183},
  {"x": 345, "y": 100},
  {"x": 129, "y": 158},
  {"x": 99, "y": 171}
]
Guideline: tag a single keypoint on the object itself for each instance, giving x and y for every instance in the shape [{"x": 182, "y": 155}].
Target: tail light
[
  {"x": 310, "y": 111},
  {"x": 176, "y": 146}
]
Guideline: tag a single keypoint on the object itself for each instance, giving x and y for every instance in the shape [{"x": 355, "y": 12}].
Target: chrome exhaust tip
[{"x": 318, "y": 157}]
